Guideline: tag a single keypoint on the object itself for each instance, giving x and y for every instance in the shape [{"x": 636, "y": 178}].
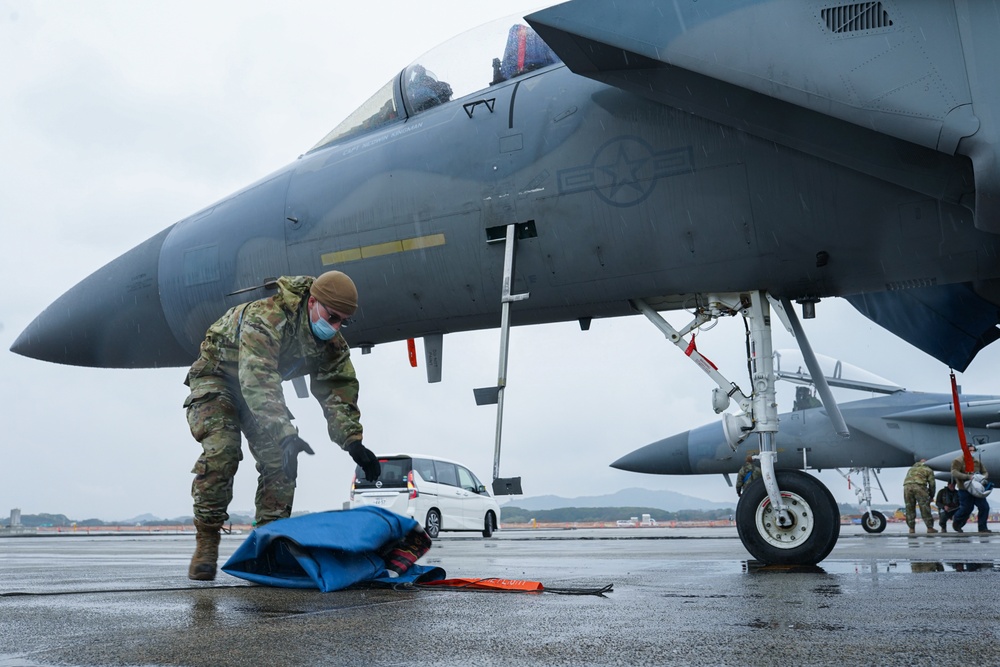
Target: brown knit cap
[{"x": 335, "y": 290}]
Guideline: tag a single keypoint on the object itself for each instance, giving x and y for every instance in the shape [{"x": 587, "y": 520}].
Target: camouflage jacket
[
  {"x": 947, "y": 499},
  {"x": 257, "y": 345},
  {"x": 921, "y": 475},
  {"x": 958, "y": 470},
  {"x": 748, "y": 473}
]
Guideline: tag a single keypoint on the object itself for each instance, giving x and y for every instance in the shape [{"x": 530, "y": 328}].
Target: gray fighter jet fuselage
[
  {"x": 615, "y": 196},
  {"x": 892, "y": 431},
  {"x": 646, "y": 156}
]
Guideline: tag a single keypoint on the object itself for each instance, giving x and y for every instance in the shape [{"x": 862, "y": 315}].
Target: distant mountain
[
  {"x": 142, "y": 518},
  {"x": 669, "y": 501}
]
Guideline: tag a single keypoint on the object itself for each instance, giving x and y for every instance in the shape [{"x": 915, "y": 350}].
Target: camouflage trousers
[
  {"x": 913, "y": 496},
  {"x": 217, "y": 414}
]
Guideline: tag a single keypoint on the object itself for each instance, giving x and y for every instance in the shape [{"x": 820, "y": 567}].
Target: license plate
[{"x": 381, "y": 501}]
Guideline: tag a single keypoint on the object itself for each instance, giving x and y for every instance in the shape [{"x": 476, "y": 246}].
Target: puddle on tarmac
[
  {"x": 17, "y": 660},
  {"x": 898, "y": 566}
]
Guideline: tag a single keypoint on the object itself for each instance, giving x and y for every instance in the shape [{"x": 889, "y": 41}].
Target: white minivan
[{"x": 440, "y": 494}]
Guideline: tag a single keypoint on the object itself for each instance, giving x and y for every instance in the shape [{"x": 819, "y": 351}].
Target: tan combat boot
[
  {"x": 931, "y": 530},
  {"x": 206, "y": 551}
]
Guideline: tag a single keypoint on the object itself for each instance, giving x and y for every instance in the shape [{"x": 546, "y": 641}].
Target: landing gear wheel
[
  {"x": 874, "y": 522},
  {"x": 815, "y": 521},
  {"x": 433, "y": 523},
  {"x": 488, "y": 525}
]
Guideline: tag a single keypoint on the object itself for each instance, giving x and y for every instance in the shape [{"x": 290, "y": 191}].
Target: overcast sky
[{"x": 119, "y": 118}]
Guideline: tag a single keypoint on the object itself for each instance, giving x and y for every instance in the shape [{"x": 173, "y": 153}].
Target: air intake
[{"x": 856, "y": 17}]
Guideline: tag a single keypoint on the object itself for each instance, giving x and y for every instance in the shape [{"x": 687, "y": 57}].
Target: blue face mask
[{"x": 322, "y": 329}]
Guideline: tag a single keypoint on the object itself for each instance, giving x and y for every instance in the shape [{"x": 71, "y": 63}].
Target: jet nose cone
[
  {"x": 669, "y": 456},
  {"x": 112, "y": 319}
]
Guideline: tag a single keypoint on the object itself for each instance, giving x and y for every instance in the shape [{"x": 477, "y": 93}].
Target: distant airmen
[
  {"x": 947, "y": 504},
  {"x": 918, "y": 489},
  {"x": 748, "y": 473},
  {"x": 970, "y": 495},
  {"x": 805, "y": 399}
]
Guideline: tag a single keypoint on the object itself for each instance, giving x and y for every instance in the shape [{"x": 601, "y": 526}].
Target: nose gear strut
[{"x": 795, "y": 525}]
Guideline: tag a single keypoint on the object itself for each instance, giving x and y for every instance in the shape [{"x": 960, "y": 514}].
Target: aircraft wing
[
  {"x": 832, "y": 81},
  {"x": 910, "y": 71},
  {"x": 950, "y": 322}
]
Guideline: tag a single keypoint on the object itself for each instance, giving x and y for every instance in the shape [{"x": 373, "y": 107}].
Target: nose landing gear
[
  {"x": 806, "y": 538},
  {"x": 785, "y": 517}
]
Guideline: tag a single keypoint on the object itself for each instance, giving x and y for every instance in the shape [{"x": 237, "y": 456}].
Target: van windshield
[{"x": 394, "y": 472}]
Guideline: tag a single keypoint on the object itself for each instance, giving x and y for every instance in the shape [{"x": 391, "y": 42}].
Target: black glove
[
  {"x": 364, "y": 458},
  {"x": 290, "y": 448}
]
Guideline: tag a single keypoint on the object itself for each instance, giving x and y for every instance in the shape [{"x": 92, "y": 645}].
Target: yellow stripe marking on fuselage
[{"x": 379, "y": 249}]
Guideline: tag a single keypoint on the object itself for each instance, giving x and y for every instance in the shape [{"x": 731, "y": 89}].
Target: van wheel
[
  {"x": 488, "y": 525},
  {"x": 433, "y": 523}
]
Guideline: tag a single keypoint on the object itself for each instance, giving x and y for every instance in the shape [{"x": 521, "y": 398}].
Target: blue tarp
[{"x": 327, "y": 550}]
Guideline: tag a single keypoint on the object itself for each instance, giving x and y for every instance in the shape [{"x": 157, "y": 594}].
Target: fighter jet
[
  {"x": 892, "y": 430},
  {"x": 601, "y": 159}
]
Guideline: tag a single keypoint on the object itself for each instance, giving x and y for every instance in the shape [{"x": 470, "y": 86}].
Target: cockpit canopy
[
  {"x": 790, "y": 365},
  {"x": 485, "y": 56}
]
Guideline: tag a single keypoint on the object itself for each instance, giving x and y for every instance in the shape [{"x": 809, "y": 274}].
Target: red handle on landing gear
[{"x": 966, "y": 452}]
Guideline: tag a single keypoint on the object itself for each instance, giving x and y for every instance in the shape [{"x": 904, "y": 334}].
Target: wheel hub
[{"x": 797, "y": 530}]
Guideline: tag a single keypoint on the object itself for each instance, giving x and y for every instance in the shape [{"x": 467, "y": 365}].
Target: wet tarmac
[{"x": 680, "y": 597}]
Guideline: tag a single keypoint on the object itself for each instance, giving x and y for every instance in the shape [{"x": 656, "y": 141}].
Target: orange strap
[
  {"x": 966, "y": 452},
  {"x": 490, "y": 583}
]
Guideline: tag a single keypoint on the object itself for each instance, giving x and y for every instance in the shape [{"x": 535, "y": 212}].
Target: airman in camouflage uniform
[
  {"x": 966, "y": 501},
  {"x": 918, "y": 489},
  {"x": 749, "y": 472},
  {"x": 236, "y": 387}
]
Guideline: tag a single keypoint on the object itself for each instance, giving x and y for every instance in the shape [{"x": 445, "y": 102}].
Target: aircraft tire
[
  {"x": 874, "y": 522},
  {"x": 815, "y": 521}
]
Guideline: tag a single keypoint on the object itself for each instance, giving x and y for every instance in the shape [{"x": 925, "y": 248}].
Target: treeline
[
  {"x": 62, "y": 521},
  {"x": 609, "y": 514},
  {"x": 508, "y": 515}
]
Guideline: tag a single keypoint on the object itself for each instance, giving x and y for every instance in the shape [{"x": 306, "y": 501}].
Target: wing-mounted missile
[
  {"x": 911, "y": 71},
  {"x": 977, "y": 412},
  {"x": 988, "y": 454}
]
